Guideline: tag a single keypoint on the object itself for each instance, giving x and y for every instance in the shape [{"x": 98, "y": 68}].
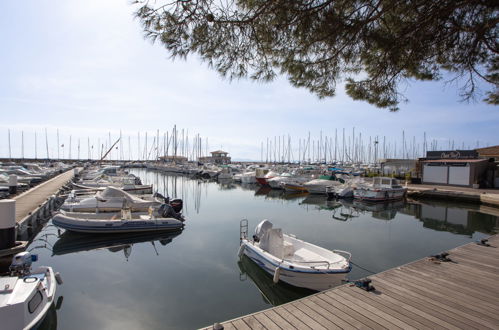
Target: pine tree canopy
[{"x": 372, "y": 46}]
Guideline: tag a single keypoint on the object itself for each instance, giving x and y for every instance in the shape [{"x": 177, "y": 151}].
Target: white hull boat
[
  {"x": 319, "y": 186},
  {"x": 294, "y": 261},
  {"x": 382, "y": 189},
  {"x": 26, "y": 295},
  {"x": 125, "y": 222}
]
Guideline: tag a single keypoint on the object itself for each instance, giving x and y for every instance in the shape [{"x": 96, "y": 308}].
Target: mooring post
[
  {"x": 12, "y": 184},
  {"x": 7, "y": 223}
]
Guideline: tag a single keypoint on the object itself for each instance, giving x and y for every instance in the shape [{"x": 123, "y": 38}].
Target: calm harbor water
[{"x": 193, "y": 278}]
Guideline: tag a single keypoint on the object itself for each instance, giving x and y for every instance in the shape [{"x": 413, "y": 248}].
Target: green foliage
[{"x": 372, "y": 46}]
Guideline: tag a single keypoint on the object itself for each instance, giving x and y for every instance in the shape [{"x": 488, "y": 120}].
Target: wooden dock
[
  {"x": 32, "y": 200},
  {"x": 460, "y": 294}
]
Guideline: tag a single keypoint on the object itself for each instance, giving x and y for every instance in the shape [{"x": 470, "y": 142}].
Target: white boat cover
[{"x": 113, "y": 193}]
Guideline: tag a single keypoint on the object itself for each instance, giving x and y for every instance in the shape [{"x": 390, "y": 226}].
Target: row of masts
[
  {"x": 173, "y": 144},
  {"x": 352, "y": 148}
]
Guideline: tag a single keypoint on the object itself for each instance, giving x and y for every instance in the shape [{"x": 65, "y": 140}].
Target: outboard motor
[
  {"x": 177, "y": 204},
  {"x": 167, "y": 211},
  {"x": 21, "y": 264},
  {"x": 261, "y": 229}
]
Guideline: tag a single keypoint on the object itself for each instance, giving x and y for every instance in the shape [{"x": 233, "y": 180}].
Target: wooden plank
[
  {"x": 428, "y": 315},
  {"x": 443, "y": 315},
  {"x": 472, "y": 282},
  {"x": 441, "y": 301},
  {"x": 265, "y": 321},
  {"x": 240, "y": 324},
  {"x": 277, "y": 319},
  {"x": 318, "y": 307},
  {"x": 456, "y": 285},
  {"x": 290, "y": 318},
  {"x": 464, "y": 268},
  {"x": 393, "y": 321},
  {"x": 335, "y": 313},
  {"x": 349, "y": 308},
  {"x": 371, "y": 313},
  {"x": 328, "y": 324},
  {"x": 302, "y": 316},
  {"x": 252, "y": 322},
  {"x": 466, "y": 301},
  {"x": 483, "y": 255},
  {"x": 482, "y": 263},
  {"x": 396, "y": 310},
  {"x": 229, "y": 326}
]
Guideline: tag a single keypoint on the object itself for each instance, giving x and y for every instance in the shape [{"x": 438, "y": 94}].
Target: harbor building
[
  {"x": 457, "y": 168},
  {"x": 217, "y": 157}
]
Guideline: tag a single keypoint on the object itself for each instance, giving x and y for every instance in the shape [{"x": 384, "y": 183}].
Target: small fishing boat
[
  {"x": 292, "y": 260},
  {"x": 26, "y": 295},
  {"x": 124, "y": 222},
  {"x": 111, "y": 199},
  {"x": 381, "y": 189}
]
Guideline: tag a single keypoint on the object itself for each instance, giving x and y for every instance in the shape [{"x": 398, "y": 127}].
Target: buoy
[
  {"x": 58, "y": 278},
  {"x": 277, "y": 273},
  {"x": 241, "y": 251}
]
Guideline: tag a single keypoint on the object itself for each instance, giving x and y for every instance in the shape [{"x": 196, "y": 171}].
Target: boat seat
[
  {"x": 306, "y": 255},
  {"x": 276, "y": 244}
]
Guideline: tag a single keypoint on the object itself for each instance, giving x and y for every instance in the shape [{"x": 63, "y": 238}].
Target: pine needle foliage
[{"x": 373, "y": 46}]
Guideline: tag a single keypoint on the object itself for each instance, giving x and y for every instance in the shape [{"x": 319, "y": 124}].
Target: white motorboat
[
  {"x": 124, "y": 222},
  {"x": 109, "y": 200},
  {"x": 319, "y": 185},
  {"x": 381, "y": 189},
  {"x": 294, "y": 261},
  {"x": 26, "y": 295}
]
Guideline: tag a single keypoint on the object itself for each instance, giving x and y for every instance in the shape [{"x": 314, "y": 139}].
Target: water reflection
[
  {"x": 50, "y": 320},
  {"x": 70, "y": 242},
  {"x": 272, "y": 293},
  {"x": 457, "y": 220}
]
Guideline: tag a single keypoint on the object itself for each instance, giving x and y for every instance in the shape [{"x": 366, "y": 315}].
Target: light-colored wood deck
[
  {"x": 462, "y": 294},
  {"x": 36, "y": 196}
]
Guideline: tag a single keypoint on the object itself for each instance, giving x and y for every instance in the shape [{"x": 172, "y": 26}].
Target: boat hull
[
  {"x": 317, "y": 281},
  {"x": 116, "y": 226},
  {"x": 378, "y": 195}
]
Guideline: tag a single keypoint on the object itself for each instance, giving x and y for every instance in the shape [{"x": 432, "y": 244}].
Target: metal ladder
[{"x": 243, "y": 230}]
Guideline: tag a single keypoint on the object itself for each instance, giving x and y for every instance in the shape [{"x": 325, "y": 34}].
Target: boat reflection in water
[
  {"x": 50, "y": 320},
  {"x": 272, "y": 293},
  {"x": 70, "y": 242},
  {"x": 380, "y": 210}
]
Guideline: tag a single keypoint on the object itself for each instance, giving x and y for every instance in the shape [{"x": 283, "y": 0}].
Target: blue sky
[{"x": 84, "y": 68}]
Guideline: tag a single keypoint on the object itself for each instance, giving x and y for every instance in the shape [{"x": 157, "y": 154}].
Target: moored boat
[
  {"x": 381, "y": 189},
  {"x": 26, "y": 295},
  {"x": 126, "y": 222},
  {"x": 294, "y": 261}
]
